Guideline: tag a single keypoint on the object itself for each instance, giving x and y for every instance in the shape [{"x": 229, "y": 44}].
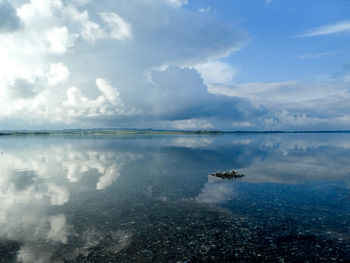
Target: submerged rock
[{"x": 228, "y": 174}]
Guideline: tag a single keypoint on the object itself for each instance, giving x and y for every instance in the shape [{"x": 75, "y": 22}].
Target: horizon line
[{"x": 150, "y": 130}]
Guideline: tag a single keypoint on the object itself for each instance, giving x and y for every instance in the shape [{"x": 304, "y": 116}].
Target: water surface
[{"x": 149, "y": 198}]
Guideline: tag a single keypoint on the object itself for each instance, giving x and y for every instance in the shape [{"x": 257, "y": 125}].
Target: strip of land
[{"x": 144, "y": 131}]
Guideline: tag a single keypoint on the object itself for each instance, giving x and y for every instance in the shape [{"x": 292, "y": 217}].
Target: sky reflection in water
[{"x": 70, "y": 197}]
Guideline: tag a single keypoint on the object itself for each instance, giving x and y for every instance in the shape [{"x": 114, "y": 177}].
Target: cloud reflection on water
[
  {"x": 41, "y": 180},
  {"x": 34, "y": 179},
  {"x": 216, "y": 191}
]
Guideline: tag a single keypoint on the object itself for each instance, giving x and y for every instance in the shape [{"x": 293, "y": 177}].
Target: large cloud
[{"x": 80, "y": 62}]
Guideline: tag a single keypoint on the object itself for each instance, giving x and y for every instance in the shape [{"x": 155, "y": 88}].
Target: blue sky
[
  {"x": 175, "y": 64},
  {"x": 274, "y": 53}
]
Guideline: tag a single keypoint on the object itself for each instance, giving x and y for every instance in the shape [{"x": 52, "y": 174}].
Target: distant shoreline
[{"x": 147, "y": 131}]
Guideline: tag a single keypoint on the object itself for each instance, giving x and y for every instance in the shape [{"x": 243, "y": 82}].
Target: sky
[{"x": 175, "y": 64}]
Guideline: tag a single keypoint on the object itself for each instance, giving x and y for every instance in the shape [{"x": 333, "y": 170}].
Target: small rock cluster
[{"x": 228, "y": 174}]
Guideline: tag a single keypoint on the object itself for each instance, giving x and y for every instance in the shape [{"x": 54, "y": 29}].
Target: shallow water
[{"x": 150, "y": 199}]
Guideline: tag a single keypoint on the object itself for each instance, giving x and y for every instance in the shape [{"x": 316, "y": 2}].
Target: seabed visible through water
[{"x": 150, "y": 198}]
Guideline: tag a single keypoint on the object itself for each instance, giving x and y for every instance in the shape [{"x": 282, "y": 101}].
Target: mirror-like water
[{"x": 151, "y": 198}]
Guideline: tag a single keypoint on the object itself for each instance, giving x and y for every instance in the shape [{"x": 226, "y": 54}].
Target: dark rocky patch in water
[{"x": 228, "y": 174}]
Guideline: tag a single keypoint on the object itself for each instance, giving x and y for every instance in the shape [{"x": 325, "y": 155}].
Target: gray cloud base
[{"x": 9, "y": 21}]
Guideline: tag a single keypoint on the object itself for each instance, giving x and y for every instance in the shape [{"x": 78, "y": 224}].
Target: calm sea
[{"x": 150, "y": 198}]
